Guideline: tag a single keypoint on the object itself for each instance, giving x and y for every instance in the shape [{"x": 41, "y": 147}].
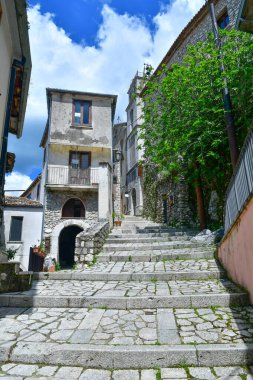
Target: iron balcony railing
[
  {"x": 66, "y": 175},
  {"x": 241, "y": 184}
]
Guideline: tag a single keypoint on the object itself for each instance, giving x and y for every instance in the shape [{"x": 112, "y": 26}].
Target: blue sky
[
  {"x": 90, "y": 45},
  {"x": 81, "y": 18}
]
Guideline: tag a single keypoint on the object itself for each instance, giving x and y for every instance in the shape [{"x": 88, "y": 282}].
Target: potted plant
[
  {"x": 117, "y": 218},
  {"x": 35, "y": 248},
  {"x": 39, "y": 250}
]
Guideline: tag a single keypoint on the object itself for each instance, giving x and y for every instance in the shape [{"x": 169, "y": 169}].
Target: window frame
[
  {"x": 82, "y": 102},
  {"x": 80, "y": 153},
  {"x": 11, "y": 226},
  {"x": 223, "y": 15}
]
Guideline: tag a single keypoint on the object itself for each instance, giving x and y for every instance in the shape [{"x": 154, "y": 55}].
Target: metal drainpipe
[
  {"x": 46, "y": 172},
  {"x": 15, "y": 64}
]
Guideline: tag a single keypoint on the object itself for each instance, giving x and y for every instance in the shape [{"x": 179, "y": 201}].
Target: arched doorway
[
  {"x": 134, "y": 200},
  {"x": 67, "y": 240}
]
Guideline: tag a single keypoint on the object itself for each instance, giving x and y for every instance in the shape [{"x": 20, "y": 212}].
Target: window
[
  {"x": 16, "y": 228},
  {"x": 132, "y": 175},
  {"x": 38, "y": 191},
  {"x": 73, "y": 208},
  {"x": 132, "y": 118},
  {"x": 29, "y": 196},
  {"x": 79, "y": 160},
  {"x": 81, "y": 112},
  {"x": 223, "y": 20}
]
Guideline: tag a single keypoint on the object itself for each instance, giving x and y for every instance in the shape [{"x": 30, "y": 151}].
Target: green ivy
[{"x": 183, "y": 113}]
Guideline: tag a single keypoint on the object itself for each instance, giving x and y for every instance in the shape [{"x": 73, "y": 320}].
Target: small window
[
  {"x": 29, "y": 196},
  {"x": 80, "y": 160},
  {"x": 81, "y": 112},
  {"x": 38, "y": 191},
  {"x": 223, "y": 21},
  {"x": 16, "y": 228},
  {"x": 132, "y": 117},
  {"x": 73, "y": 208}
]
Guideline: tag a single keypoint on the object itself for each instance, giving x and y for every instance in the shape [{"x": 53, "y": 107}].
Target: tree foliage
[{"x": 184, "y": 115}]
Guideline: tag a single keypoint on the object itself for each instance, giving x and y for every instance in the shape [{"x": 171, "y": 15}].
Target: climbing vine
[{"x": 184, "y": 131}]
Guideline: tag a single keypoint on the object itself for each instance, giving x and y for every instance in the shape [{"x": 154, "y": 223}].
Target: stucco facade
[
  {"x": 77, "y": 172},
  {"x": 31, "y": 214},
  {"x": 134, "y": 155},
  {"x": 119, "y": 167},
  {"x": 15, "y": 64}
]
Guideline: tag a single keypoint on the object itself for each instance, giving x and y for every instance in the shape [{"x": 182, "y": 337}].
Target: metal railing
[
  {"x": 66, "y": 175},
  {"x": 241, "y": 184}
]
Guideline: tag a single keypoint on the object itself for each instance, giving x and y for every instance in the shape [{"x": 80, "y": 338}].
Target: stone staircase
[{"x": 154, "y": 306}]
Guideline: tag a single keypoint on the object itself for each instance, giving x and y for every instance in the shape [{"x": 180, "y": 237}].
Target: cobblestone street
[{"x": 139, "y": 319}]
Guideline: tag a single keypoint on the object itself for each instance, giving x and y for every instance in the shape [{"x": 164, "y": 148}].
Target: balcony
[{"x": 66, "y": 177}]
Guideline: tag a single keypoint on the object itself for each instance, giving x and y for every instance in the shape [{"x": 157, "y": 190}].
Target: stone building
[
  {"x": 134, "y": 191},
  {"x": 169, "y": 202},
  {"x": 119, "y": 167},
  {"x": 15, "y": 71},
  {"x": 77, "y": 169}
]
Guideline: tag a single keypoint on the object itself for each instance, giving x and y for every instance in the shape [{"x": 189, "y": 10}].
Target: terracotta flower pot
[{"x": 117, "y": 223}]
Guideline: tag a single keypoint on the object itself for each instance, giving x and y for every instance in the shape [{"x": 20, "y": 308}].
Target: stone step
[
  {"x": 127, "y": 295},
  {"x": 129, "y": 357},
  {"x": 139, "y": 239},
  {"x": 17, "y": 371},
  {"x": 141, "y": 271},
  {"x": 124, "y": 339},
  {"x": 116, "y": 235},
  {"x": 152, "y": 246},
  {"x": 155, "y": 255}
]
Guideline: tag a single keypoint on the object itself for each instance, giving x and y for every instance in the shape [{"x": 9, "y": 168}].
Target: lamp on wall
[{"x": 117, "y": 155}]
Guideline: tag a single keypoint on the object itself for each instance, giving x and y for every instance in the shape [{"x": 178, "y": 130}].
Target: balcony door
[{"x": 79, "y": 164}]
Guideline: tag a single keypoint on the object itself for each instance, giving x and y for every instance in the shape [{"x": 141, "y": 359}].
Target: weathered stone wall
[
  {"x": 11, "y": 280},
  {"x": 173, "y": 196},
  {"x": 90, "y": 243},
  {"x": 56, "y": 200},
  {"x": 199, "y": 30}
]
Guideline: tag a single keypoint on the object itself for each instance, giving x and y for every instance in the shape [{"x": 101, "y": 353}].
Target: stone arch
[
  {"x": 54, "y": 250},
  {"x": 68, "y": 209}
]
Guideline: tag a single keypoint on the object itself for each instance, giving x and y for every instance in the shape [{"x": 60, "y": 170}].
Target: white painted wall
[
  {"x": 98, "y": 134},
  {"x": 31, "y": 231}
]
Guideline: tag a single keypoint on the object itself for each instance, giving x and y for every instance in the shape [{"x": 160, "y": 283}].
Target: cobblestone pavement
[
  {"x": 128, "y": 327},
  {"x": 129, "y": 289},
  {"x": 17, "y": 371},
  {"x": 152, "y": 319},
  {"x": 151, "y": 267}
]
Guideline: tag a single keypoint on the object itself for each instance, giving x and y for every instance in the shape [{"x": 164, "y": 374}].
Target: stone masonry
[
  {"x": 154, "y": 306},
  {"x": 90, "y": 243},
  {"x": 56, "y": 200}
]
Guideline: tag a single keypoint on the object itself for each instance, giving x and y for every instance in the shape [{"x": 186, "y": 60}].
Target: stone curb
[
  {"x": 160, "y": 276},
  {"x": 149, "y": 257},
  {"x": 126, "y": 357},
  {"x": 154, "y": 246},
  {"x": 122, "y": 303}
]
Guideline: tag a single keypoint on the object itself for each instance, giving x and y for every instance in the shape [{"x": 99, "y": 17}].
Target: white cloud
[
  {"x": 16, "y": 181},
  {"x": 124, "y": 43}
]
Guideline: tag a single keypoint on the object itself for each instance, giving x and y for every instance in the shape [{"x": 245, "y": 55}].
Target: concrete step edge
[
  {"x": 122, "y": 303},
  {"x": 126, "y": 357},
  {"x": 125, "y": 276}
]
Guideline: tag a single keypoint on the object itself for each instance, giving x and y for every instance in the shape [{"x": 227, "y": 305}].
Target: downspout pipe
[{"x": 16, "y": 63}]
